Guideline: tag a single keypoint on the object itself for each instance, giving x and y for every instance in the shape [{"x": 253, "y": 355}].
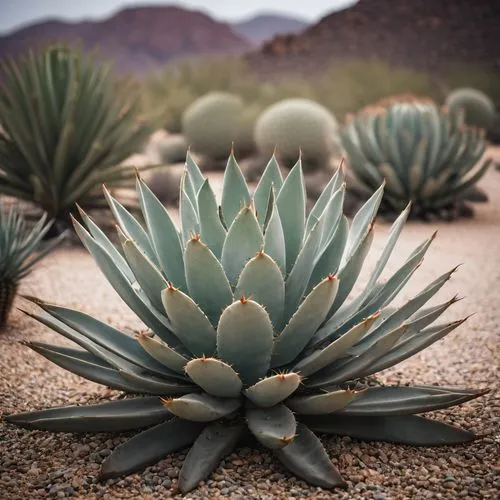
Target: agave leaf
[
  {"x": 387, "y": 401},
  {"x": 244, "y": 239},
  {"x": 214, "y": 443},
  {"x": 158, "y": 323},
  {"x": 212, "y": 230},
  {"x": 207, "y": 283},
  {"x": 271, "y": 177},
  {"x": 163, "y": 353},
  {"x": 129, "y": 225},
  {"x": 195, "y": 174},
  {"x": 113, "y": 416},
  {"x": 406, "y": 429},
  {"x": 319, "y": 404},
  {"x": 274, "y": 427},
  {"x": 273, "y": 390},
  {"x": 274, "y": 240},
  {"x": 150, "y": 446},
  {"x": 190, "y": 190},
  {"x": 189, "y": 322},
  {"x": 245, "y": 339},
  {"x": 306, "y": 458},
  {"x": 304, "y": 323},
  {"x": 332, "y": 215},
  {"x": 104, "y": 335},
  {"x": 202, "y": 407},
  {"x": 189, "y": 219},
  {"x": 148, "y": 276},
  {"x": 235, "y": 193},
  {"x": 164, "y": 237},
  {"x": 262, "y": 280},
  {"x": 215, "y": 377},
  {"x": 321, "y": 358},
  {"x": 357, "y": 364},
  {"x": 291, "y": 204}
]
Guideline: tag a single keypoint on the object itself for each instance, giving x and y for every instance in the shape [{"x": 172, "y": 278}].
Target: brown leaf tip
[
  {"x": 331, "y": 277},
  {"x": 287, "y": 439},
  {"x": 244, "y": 299},
  {"x": 171, "y": 288},
  {"x": 195, "y": 237}
]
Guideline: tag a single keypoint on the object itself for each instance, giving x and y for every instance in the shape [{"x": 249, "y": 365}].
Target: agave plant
[
  {"x": 21, "y": 247},
  {"x": 251, "y": 330},
  {"x": 66, "y": 130},
  {"x": 426, "y": 156}
]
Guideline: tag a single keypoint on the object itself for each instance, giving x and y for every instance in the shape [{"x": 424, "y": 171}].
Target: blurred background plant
[
  {"x": 21, "y": 247},
  {"x": 67, "y": 128}
]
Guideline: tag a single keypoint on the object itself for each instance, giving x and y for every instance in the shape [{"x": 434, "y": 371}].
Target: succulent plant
[
  {"x": 66, "y": 130},
  {"x": 21, "y": 247},
  {"x": 478, "y": 108},
  {"x": 293, "y": 124},
  {"x": 425, "y": 155},
  {"x": 251, "y": 332},
  {"x": 216, "y": 120}
]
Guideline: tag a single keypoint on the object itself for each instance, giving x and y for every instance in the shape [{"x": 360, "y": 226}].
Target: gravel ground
[{"x": 36, "y": 464}]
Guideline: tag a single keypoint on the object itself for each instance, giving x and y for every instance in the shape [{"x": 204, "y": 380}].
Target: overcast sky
[{"x": 15, "y": 13}]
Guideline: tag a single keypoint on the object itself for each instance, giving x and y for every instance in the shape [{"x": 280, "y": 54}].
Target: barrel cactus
[
  {"x": 167, "y": 149},
  {"x": 251, "y": 330},
  {"x": 426, "y": 156},
  {"x": 293, "y": 124},
  {"x": 479, "y": 109},
  {"x": 21, "y": 247},
  {"x": 67, "y": 130},
  {"x": 213, "y": 122}
]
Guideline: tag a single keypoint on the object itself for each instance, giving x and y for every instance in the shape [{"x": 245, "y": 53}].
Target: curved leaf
[
  {"x": 274, "y": 240},
  {"x": 319, "y": 404},
  {"x": 274, "y": 427},
  {"x": 215, "y": 377},
  {"x": 272, "y": 390},
  {"x": 201, "y": 407},
  {"x": 271, "y": 177},
  {"x": 150, "y": 446},
  {"x": 212, "y": 231},
  {"x": 234, "y": 191},
  {"x": 163, "y": 353},
  {"x": 245, "y": 339}
]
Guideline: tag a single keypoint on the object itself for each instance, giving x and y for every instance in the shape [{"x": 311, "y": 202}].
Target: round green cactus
[
  {"x": 213, "y": 122},
  {"x": 293, "y": 124},
  {"x": 169, "y": 149},
  {"x": 478, "y": 108}
]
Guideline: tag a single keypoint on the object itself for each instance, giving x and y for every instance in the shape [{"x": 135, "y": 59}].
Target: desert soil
[{"x": 37, "y": 464}]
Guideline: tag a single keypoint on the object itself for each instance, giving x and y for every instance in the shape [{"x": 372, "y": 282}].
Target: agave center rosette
[{"x": 251, "y": 329}]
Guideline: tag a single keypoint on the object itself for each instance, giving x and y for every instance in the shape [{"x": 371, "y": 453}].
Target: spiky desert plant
[
  {"x": 213, "y": 122},
  {"x": 21, "y": 247},
  {"x": 251, "y": 332},
  {"x": 67, "y": 128},
  {"x": 478, "y": 108},
  {"x": 426, "y": 156},
  {"x": 293, "y": 124}
]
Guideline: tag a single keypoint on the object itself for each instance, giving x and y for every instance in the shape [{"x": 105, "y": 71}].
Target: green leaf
[
  {"x": 194, "y": 172},
  {"x": 207, "y": 283},
  {"x": 407, "y": 429},
  {"x": 245, "y": 339},
  {"x": 273, "y": 390},
  {"x": 113, "y": 416},
  {"x": 319, "y": 404},
  {"x": 291, "y": 204},
  {"x": 261, "y": 279},
  {"x": 271, "y": 177},
  {"x": 306, "y": 458},
  {"x": 403, "y": 400},
  {"x": 189, "y": 322},
  {"x": 304, "y": 323},
  {"x": 274, "y": 240},
  {"x": 162, "y": 353},
  {"x": 321, "y": 358},
  {"x": 274, "y": 427},
  {"x": 147, "y": 274},
  {"x": 215, "y": 377},
  {"x": 189, "y": 219},
  {"x": 201, "y": 407},
  {"x": 150, "y": 446},
  {"x": 234, "y": 191},
  {"x": 212, "y": 445},
  {"x": 244, "y": 239},
  {"x": 164, "y": 236},
  {"x": 212, "y": 230}
]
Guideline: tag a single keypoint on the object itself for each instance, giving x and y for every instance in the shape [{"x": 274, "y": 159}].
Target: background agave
[
  {"x": 21, "y": 248},
  {"x": 66, "y": 130},
  {"x": 251, "y": 332},
  {"x": 425, "y": 155}
]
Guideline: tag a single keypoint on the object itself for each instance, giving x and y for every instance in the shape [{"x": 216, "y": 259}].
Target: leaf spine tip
[
  {"x": 195, "y": 237},
  {"x": 166, "y": 401},
  {"x": 331, "y": 277},
  {"x": 244, "y": 299},
  {"x": 288, "y": 439}
]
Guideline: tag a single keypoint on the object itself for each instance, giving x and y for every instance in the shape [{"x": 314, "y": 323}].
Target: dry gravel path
[{"x": 38, "y": 465}]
